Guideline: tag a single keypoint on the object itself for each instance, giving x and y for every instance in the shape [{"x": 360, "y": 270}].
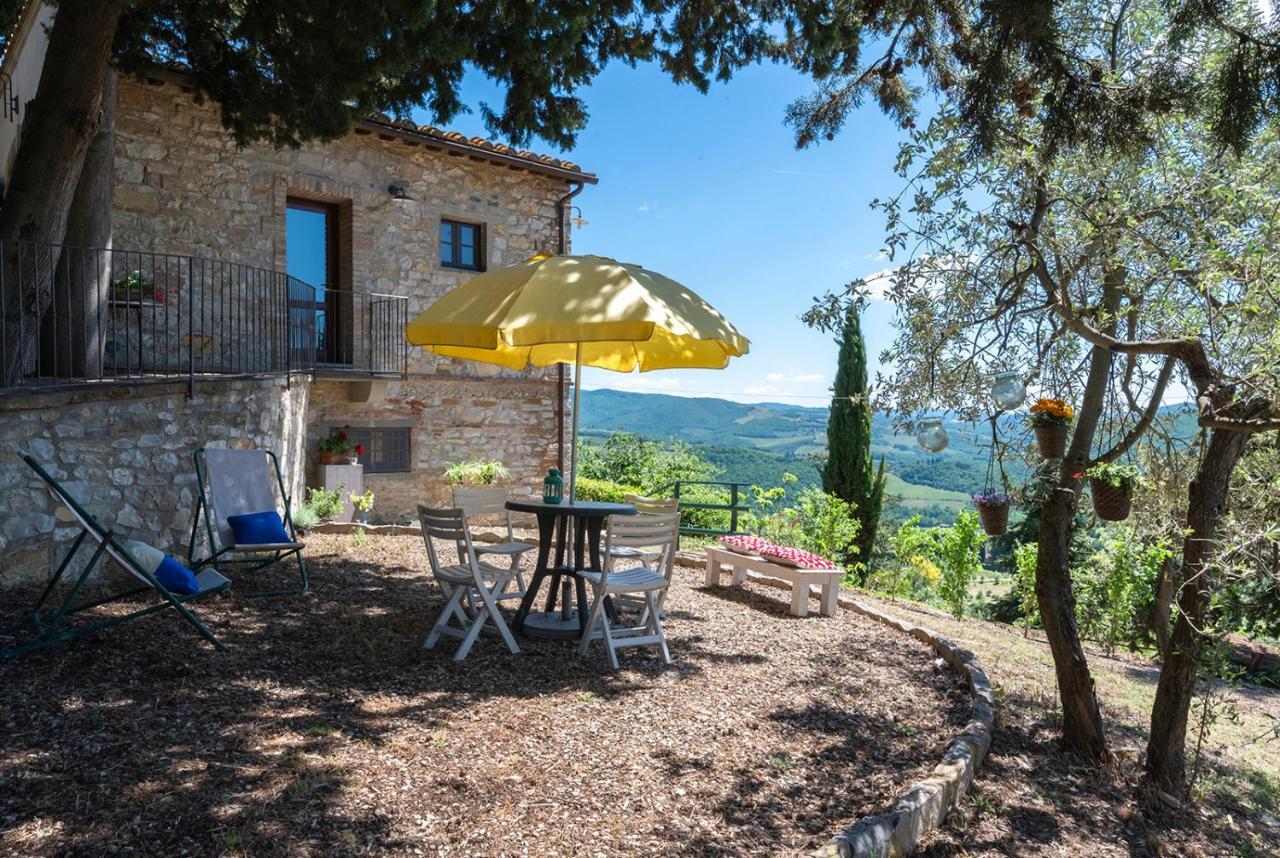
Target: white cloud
[
  {"x": 877, "y": 285},
  {"x": 653, "y": 209},
  {"x": 781, "y": 384},
  {"x": 637, "y": 382}
]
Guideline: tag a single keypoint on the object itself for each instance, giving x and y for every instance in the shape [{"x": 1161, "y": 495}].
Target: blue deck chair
[
  {"x": 45, "y": 628},
  {"x": 240, "y": 482}
]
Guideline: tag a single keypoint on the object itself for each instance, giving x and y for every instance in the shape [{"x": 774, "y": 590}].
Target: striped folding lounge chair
[
  {"x": 242, "y": 482},
  {"x": 46, "y": 625}
]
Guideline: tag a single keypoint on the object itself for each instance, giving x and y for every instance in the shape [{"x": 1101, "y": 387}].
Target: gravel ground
[{"x": 327, "y": 730}]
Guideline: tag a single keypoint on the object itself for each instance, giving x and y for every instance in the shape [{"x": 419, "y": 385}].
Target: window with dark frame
[
  {"x": 386, "y": 448},
  {"x": 461, "y": 245}
]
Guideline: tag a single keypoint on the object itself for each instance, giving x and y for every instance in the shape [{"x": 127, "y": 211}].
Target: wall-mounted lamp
[
  {"x": 398, "y": 192},
  {"x": 577, "y": 220}
]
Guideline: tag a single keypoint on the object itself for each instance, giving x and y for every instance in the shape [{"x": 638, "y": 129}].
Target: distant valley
[{"x": 758, "y": 443}]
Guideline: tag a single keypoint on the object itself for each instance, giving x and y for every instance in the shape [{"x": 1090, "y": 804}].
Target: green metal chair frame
[
  {"x": 221, "y": 554},
  {"x": 50, "y": 628}
]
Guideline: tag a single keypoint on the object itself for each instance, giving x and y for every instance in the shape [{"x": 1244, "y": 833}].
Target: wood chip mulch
[{"x": 328, "y": 730}]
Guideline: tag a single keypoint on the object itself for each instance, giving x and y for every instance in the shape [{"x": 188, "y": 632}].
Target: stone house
[{"x": 282, "y": 280}]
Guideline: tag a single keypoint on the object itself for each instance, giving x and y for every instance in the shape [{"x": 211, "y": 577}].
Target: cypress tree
[{"x": 850, "y": 473}]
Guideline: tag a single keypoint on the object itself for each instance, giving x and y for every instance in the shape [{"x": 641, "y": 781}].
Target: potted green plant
[
  {"x": 993, "y": 509},
  {"x": 477, "y": 472},
  {"x": 1111, "y": 487},
  {"x": 339, "y": 449},
  {"x": 1051, "y": 419},
  {"x": 364, "y": 505}
]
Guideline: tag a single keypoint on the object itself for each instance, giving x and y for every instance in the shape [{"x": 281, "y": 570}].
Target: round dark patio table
[{"x": 553, "y": 520}]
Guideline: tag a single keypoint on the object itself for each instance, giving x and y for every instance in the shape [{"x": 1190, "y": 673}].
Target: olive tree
[{"x": 1119, "y": 283}]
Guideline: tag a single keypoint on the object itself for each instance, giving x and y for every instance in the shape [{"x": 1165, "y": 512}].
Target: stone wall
[
  {"x": 512, "y": 420},
  {"x": 126, "y": 454}
]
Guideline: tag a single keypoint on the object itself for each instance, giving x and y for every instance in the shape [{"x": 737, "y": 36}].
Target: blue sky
[{"x": 711, "y": 191}]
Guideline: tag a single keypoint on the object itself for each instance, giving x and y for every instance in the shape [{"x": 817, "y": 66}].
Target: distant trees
[{"x": 850, "y": 473}]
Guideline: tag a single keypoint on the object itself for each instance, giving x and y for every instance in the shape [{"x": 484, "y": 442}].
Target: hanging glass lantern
[
  {"x": 930, "y": 434},
  {"x": 1008, "y": 391}
]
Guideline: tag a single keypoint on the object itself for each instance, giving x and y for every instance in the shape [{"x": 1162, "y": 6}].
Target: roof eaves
[{"x": 477, "y": 147}]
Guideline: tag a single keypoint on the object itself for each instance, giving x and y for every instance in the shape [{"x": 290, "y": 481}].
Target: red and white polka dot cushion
[
  {"x": 747, "y": 544},
  {"x": 798, "y": 558}
]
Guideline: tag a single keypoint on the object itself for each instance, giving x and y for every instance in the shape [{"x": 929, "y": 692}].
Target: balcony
[{"x": 76, "y": 316}]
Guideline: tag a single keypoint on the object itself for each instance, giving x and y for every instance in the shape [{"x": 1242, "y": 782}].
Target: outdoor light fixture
[
  {"x": 1008, "y": 391},
  {"x": 398, "y": 192},
  {"x": 930, "y": 434},
  {"x": 577, "y": 220}
]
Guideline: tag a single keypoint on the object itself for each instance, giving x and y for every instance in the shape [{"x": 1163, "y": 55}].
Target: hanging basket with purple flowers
[{"x": 993, "y": 509}]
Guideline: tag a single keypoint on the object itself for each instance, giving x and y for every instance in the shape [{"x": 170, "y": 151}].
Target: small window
[
  {"x": 461, "y": 245},
  {"x": 386, "y": 448}
]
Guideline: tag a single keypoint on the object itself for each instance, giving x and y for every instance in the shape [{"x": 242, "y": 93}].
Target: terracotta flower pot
[
  {"x": 1052, "y": 439},
  {"x": 1111, "y": 503},
  {"x": 995, "y": 518},
  {"x": 328, "y": 458}
]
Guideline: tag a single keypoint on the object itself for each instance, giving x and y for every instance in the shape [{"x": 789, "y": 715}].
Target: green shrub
[
  {"x": 601, "y": 491},
  {"x": 1024, "y": 583},
  {"x": 324, "y": 504},
  {"x": 1115, "y": 588},
  {"x": 817, "y": 521},
  {"x": 630, "y": 460},
  {"x": 305, "y": 518},
  {"x": 959, "y": 560}
]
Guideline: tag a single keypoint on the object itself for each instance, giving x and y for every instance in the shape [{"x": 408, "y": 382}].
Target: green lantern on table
[{"x": 553, "y": 487}]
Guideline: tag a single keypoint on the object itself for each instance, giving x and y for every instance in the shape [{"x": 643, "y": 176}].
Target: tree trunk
[
  {"x": 1164, "y": 601},
  {"x": 70, "y": 336},
  {"x": 62, "y": 121},
  {"x": 1081, "y": 719},
  {"x": 1206, "y": 504}
]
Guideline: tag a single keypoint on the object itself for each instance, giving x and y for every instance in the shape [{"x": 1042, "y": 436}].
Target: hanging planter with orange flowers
[{"x": 1051, "y": 419}]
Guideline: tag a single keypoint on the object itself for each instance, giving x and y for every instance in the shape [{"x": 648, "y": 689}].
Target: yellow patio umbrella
[{"x": 583, "y": 310}]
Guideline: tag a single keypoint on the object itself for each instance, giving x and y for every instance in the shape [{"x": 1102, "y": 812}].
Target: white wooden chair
[
  {"x": 475, "y": 501},
  {"x": 469, "y": 578},
  {"x": 659, "y": 531}
]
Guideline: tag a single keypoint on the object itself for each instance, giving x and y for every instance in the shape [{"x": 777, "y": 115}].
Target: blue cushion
[
  {"x": 175, "y": 577},
  {"x": 258, "y": 528}
]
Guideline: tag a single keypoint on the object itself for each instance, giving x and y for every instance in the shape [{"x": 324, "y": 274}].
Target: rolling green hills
[{"x": 758, "y": 443}]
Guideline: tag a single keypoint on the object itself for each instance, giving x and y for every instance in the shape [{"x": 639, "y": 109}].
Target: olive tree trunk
[
  {"x": 62, "y": 121},
  {"x": 1082, "y": 729},
  {"x": 1206, "y": 504}
]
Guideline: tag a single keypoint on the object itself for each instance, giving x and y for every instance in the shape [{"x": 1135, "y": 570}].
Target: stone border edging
[{"x": 927, "y": 803}]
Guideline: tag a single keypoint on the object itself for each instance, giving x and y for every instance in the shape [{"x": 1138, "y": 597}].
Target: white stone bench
[{"x": 800, "y": 579}]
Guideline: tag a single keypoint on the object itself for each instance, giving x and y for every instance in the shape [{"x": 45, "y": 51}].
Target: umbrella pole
[{"x": 573, "y": 449}]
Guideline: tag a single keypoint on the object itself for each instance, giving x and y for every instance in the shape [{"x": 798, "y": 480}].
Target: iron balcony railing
[
  {"x": 73, "y": 316},
  {"x": 360, "y": 332}
]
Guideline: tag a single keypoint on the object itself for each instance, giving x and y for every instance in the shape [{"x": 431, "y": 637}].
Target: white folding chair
[
  {"x": 476, "y": 501},
  {"x": 469, "y": 578},
  {"x": 646, "y": 554},
  {"x": 659, "y": 531}
]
